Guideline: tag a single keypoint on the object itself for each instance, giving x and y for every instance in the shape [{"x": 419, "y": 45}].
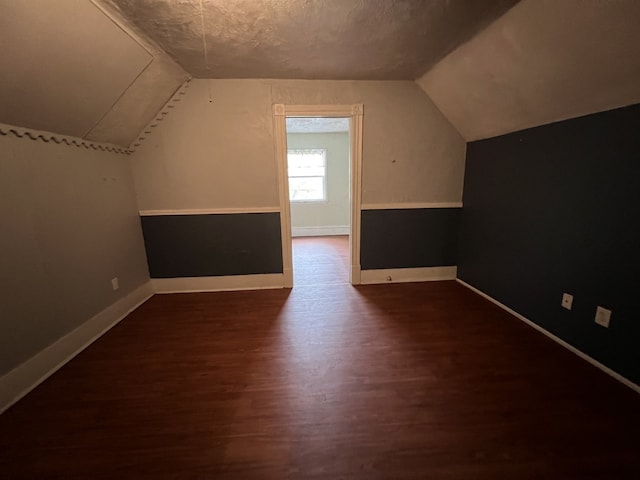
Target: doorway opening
[
  {"x": 318, "y": 171},
  {"x": 320, "y": 191}
]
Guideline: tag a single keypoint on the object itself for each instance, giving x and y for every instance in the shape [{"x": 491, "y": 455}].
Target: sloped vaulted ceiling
[
  {"x": 543, "y": 61},
  {"x": 102, "y": 69},
  {"x": 99, "y": 69},
  {"x": 69, "y": 68}
]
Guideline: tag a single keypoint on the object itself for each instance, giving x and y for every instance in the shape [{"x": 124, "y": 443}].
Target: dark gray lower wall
[
  {"x": 212, "y": 245},
  {"x": 408, "y": 238},
  {"x": 555, "y": 209}
]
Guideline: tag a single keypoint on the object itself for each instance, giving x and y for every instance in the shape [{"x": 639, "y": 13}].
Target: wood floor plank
[
  {"x": 400, "y": 381},
  {"x": 321, "y": 260}
]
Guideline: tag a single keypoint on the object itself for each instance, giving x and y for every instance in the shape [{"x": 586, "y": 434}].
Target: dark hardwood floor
[{"x": 326, "y": 381}]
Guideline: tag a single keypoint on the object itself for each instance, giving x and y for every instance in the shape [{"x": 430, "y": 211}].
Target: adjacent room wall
[
  {"x": 542, "y": 61},
  {"x": 330, "y": 217},
  {"x": 215, "y": 151},
  {"x": 70, "y": 225},
  {"x": 554, "y": 209}
]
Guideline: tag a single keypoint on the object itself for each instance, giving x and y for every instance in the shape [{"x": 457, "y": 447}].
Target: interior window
[{"x": 307, "y": 174}]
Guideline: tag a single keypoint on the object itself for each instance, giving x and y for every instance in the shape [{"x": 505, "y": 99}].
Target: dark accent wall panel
[
  {"x": 212, "y": 245},
  {"x": 556, "y": 209},
  {"x": 408, "y": 238}
]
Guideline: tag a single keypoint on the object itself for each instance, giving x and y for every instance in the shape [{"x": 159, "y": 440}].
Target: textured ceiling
[
  {"x": 314, "y": 39},
  {"x": 317, "y": 125}
]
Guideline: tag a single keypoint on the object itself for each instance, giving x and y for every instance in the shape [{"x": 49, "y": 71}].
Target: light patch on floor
[{"x": 320, "y": 260}]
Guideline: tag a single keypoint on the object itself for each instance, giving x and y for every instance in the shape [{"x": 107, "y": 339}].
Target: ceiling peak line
[
  {"x": 204, "y": 45},
  {"x": 48, "y": 137},
  {"x": 204, "y": 38},
  {"x": 162, "y": 114}
]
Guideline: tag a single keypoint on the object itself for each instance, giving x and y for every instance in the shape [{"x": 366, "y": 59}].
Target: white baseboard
[
  {"x": 320, "y": 231},
  {"x": 355, "y": 276},
  {"x": 558, "y": 340},
  {"x": 287, "y": 277},
  {"x": 25, "y": 377},
  {"x": 397, "y": 275},
  {"x": 218, "y": 284}
]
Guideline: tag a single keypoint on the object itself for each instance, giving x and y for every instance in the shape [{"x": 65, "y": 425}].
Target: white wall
[
  {"x": 69, "y": 225},
  {"x": 543, "y": 61},
  {"x": 216, "y": 148},
  {"x": 330, "y": 216}
]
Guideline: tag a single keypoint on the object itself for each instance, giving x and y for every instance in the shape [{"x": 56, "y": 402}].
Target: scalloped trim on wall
[
  {"x": 164, "y": 111},
  {"x": 47, "y": 137}
]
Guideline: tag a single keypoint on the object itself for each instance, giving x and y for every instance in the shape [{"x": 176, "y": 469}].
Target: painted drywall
[
  {"x": 69, "y": 68},
  {"x": 69, "y": 225},
  {"x": 213, "y": 245},
  {"x": 216, "y": 148},
  {"x": 334, "y": 212},
  {"x": 66, "y": 64},
  {"x": 543, "y": 61},
  {"x": 554, "y": 209},
  {"x": 409, "y": 238},
  {"x": 139, "y": 103}
]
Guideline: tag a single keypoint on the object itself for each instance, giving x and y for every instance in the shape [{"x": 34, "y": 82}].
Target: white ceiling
[{"x": 317, "y": 125}]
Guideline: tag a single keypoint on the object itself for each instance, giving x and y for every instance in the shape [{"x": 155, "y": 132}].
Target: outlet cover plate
[
  {"x": 114, "y": 283},
  {"x": 603, "y": 316},
  {"x": 567, "y": 301}
]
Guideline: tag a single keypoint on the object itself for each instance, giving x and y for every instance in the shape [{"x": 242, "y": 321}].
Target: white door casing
[{"x": 354, "y": 113}]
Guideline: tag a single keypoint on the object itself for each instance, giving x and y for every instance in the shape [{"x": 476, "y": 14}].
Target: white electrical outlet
[
  {"x": 567, "y": 301},
  {"x": 603, "y": 317},
  {"x": 114, "y": 283}
]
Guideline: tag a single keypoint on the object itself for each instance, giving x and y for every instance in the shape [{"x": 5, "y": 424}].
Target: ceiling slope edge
[
  {"x": 422, "y": 84},
  {"x": 541, "y": 62},
  {"x": 454, "y": 127},
  {"x": 480, "y": 28},
  {"x": 50, "y": 137},
  {"x": 137, "y": 35},
  {"x": 161, "y": 115},
  {"x": 147, "y": 94}
]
